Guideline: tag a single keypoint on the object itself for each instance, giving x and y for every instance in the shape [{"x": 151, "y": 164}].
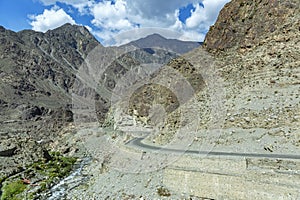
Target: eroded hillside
[{"x": 254, "y": 49}]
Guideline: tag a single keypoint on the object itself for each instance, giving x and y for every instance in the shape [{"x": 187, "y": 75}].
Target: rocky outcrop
[
  {"x": 8, "y": 152},
  {"x": 245, "y": 24}
]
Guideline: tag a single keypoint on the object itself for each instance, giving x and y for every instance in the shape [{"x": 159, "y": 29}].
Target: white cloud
[
  {"x": 157, "y": 8},
  {"x": 200, "y": 20},
  {"x": 197, "y": 17},
  {"x": 123, "y": 15},
  {"x": 50, "y": 19},
  {"x": 189, "y": 35},
  {"x": 203, "y": 17},
  {"x": 83, "y": 7},
  {"x": 105, "y": 35},
  {"x": 155, "y": 13},
  {"x": 112, "y": 17},
  {"x": 88, "y": 28},
  {"x": 212, "y": 8},
  {"x": 178, "y": 25}
]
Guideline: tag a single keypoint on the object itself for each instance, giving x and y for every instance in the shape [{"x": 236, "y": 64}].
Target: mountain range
[
  {"x": 243, "y": 80},
  {"x": 38, "y": 71}
]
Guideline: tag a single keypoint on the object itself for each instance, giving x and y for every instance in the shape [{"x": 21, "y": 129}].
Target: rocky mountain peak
[
  {"x": 70, "y": 30},
  {"x": 155, "y": 36},
  {"x": 2, "y": 28}
]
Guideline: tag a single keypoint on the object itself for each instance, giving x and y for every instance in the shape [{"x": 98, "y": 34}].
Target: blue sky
[{"x": 115, "y": 22}]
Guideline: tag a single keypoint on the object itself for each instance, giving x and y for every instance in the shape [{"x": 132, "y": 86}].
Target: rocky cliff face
[
  {"x": 255, "y": 51},
  {"x": 243, "y": 25}
]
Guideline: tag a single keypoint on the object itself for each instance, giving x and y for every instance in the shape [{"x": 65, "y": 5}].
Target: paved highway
[{"x": 137, "y": 142}]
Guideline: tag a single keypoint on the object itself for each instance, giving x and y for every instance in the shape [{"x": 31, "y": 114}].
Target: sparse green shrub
[
  {"x": 52, "y": 171},
  {"x": 164, "y": 192},
  {"x": 12, "y": 190}
]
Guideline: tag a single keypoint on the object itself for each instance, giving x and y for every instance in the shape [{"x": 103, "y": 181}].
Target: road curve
[{"x": 137, "y": 142}]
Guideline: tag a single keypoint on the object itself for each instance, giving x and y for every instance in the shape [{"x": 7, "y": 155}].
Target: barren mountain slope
[
  {"x": 257, "y": 63},
  {"x": 37, "y": 73},
  {"x": 249, "y": 103},
  {"x": 260, "y": 65}
]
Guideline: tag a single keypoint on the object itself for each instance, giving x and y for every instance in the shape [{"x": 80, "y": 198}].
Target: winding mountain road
[{"x": 137, "y": 142}]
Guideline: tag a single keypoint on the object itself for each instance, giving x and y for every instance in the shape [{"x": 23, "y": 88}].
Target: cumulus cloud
[
  {"x": 205, "y": 16},
  {"x": 157, "y": 8},
  {"x": 178, "y": 25},
  {"x": 197, "y": 18},
  {"x": 190, "y": 35},
  {"x": 50, "y": 19},
  {"x": 125, "y": 15},
  {"x": 112, "y": 17}
]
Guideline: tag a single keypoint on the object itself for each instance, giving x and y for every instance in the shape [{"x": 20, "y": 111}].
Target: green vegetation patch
[
  {"x": 58, "y": 166},
  {"x": 13, "y": 190},
  {"x": 42, "y": 174},
  {"x": 161, "y": 191}
]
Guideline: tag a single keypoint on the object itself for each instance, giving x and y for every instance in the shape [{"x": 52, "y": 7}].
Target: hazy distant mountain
[{"x": 158, "y": 41}]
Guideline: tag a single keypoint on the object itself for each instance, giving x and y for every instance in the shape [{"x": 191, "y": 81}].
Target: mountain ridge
[{"x": 155, "y": 40}]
